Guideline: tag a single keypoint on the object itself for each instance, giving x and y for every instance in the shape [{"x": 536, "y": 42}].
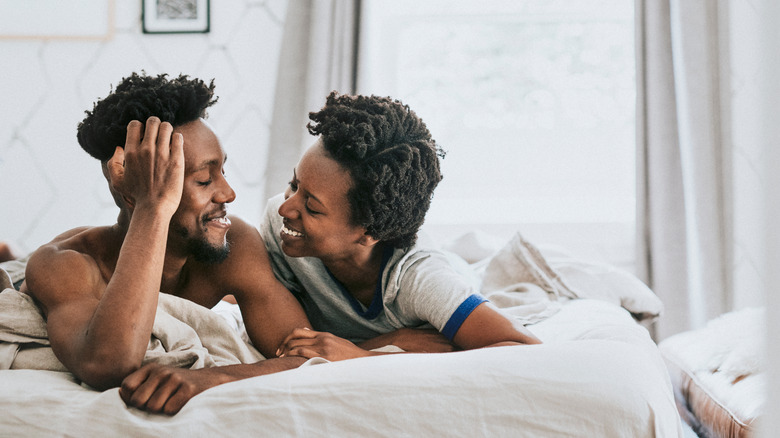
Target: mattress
[{"x": 717, "y": 374}]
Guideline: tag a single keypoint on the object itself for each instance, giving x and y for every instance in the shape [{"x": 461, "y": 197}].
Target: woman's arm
[
  {"x": 487, "y": 327},
  {"x": 484, "y": 327},
  {"x": 309, "y": 343},
  {"x": 412, "y": 340}
]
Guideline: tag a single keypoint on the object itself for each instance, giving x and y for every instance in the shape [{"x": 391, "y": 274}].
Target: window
[{"x": 533, "y": 102}]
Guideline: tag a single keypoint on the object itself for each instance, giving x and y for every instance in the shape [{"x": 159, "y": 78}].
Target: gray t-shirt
[{"x": 418, "y": 287}]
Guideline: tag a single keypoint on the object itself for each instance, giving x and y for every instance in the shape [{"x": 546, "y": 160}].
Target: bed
[
  {"x": 717, "y": 373},
  {"x": 598, "y": 373}
]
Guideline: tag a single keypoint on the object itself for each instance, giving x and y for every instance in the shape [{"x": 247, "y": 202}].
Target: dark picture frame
[{"x": 176, "y": 16}]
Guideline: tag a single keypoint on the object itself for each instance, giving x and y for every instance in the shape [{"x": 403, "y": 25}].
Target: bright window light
[{"x": 533, "y": 101}]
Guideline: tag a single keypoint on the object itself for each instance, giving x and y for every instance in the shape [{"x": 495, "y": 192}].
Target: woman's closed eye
[
  {"x": 294, "y": 188},
  {"x": 205, "y": 183}
]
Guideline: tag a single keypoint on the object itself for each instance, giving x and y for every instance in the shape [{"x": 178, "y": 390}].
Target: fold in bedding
[{"x": 184, "y": 335}]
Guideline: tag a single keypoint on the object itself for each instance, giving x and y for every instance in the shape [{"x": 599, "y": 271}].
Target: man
[{"x": 98, "y": 286}]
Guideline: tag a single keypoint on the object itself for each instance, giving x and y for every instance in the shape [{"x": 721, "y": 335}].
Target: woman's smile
[{"x": 289, "y": 232}]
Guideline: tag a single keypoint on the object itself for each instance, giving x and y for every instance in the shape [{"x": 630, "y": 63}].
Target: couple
[{"x": 341, "y": 239}]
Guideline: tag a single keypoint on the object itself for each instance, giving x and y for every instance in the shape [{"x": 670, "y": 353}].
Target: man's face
[{"x": 201, "y": 219}]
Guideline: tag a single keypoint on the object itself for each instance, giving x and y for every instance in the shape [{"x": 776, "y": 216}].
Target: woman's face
[{"x": 316, "y": 213}]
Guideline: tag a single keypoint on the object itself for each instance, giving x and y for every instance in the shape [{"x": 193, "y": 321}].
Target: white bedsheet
[{"x": 598, "y": 374}]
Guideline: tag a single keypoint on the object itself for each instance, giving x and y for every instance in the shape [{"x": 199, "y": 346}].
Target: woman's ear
[{"x": 367, "y": 240}]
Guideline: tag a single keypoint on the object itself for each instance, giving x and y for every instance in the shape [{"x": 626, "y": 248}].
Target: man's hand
[
  {"x": 307, "y": 343},
  {"x": 165, "y": 390},
  {"x": 149, "y": 171}
]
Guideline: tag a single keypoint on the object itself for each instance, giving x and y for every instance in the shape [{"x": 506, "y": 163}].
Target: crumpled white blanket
[
  {"x": 530, "y": 287},
  {"x": 184, "y": 335},
  {"x": 519, "y": 281}
]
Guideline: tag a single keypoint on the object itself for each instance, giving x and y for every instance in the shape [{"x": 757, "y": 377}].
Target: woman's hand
[{"x": 309, "y": 343}]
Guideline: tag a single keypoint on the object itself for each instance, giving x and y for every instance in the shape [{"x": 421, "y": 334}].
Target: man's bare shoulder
[
  {"x": 243, "y": 236},
  {"x": 247, "y": 264},
  {"x": 65, "y": 266},
  {"x": 247, "y": 249}
]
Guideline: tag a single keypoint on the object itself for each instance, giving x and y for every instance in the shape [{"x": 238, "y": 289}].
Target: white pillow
[{"x": 608, "y": 283}]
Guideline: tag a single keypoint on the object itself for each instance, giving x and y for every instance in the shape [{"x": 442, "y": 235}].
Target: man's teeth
[
  {"x": 221, "y": 220},
  {"x": 290, "y": 232}
]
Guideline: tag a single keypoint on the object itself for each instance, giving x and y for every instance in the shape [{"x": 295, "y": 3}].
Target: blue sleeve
[{"x": 460, "y": 315}]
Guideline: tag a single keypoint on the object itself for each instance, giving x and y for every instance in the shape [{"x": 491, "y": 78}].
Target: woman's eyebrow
[{"x": 308, "y": 193}]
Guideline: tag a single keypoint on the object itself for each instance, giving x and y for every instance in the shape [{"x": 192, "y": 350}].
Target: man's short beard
[
  {"x": 201, "y": 250},
  {"x": 204, "y": 252}
]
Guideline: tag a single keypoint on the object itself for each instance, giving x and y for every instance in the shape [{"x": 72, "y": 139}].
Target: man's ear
[
  {"x": 104, "y": 168},
  {"x": 120, "y": 200}
]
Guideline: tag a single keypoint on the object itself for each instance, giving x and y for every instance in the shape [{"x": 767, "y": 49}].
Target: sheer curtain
[
  {"x": 685, "y": 210},
  {"x": 318, "y": 55}
]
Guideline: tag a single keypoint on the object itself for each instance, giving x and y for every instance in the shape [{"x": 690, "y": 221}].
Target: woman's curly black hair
[
  {"x": 177, "y": 101},
  {"x": 391, "y": 157}
]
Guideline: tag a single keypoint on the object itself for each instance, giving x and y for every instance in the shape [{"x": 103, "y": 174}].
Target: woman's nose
[{"x": 287, "y": 209}]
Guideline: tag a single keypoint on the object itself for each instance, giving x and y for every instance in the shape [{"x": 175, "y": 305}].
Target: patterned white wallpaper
[{"x": 49, "y": 185}]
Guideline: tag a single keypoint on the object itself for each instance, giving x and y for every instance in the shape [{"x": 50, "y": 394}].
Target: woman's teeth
[{"x": 290, "y": 232}]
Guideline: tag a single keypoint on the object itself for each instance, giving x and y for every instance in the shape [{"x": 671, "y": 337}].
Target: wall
[
  {"x": 747, "y": 153},
  {"x": 754, "y": 93},
  {"x": 48, "y": 184},
  {"x": 766, "y": 36}
]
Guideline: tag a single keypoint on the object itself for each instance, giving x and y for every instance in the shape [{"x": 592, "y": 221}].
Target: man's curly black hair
[
  {"x": 177, "y": 101},
  {"x": 391, "y": 157}
]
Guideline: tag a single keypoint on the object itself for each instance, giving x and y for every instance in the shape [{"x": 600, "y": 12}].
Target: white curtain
[
  {"x": 684, "y": 167},
  {"x": 318, "y": 55}
]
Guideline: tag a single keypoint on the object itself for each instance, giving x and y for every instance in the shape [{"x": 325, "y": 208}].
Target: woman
[{"x": 342, "y": 239}]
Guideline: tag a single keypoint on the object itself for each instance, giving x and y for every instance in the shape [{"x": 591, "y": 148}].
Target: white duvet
[{"x": 597, "y": 374}]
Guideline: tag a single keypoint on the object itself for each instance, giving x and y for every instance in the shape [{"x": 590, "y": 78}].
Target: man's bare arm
[
  {"x": 100, "y": 330},
  {"x": 165, "y": 390}
]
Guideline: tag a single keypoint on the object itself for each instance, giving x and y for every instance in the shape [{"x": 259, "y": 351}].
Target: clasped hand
[
  {"x": 149, "y": 171},
  {"x": 309, "y": 343}
]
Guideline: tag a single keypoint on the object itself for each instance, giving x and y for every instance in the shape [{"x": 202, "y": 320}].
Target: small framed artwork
[{"x": 175, "y": 16}]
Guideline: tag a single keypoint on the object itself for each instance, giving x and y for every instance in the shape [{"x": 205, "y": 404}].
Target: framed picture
[{"x": 175, "y": 16}]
